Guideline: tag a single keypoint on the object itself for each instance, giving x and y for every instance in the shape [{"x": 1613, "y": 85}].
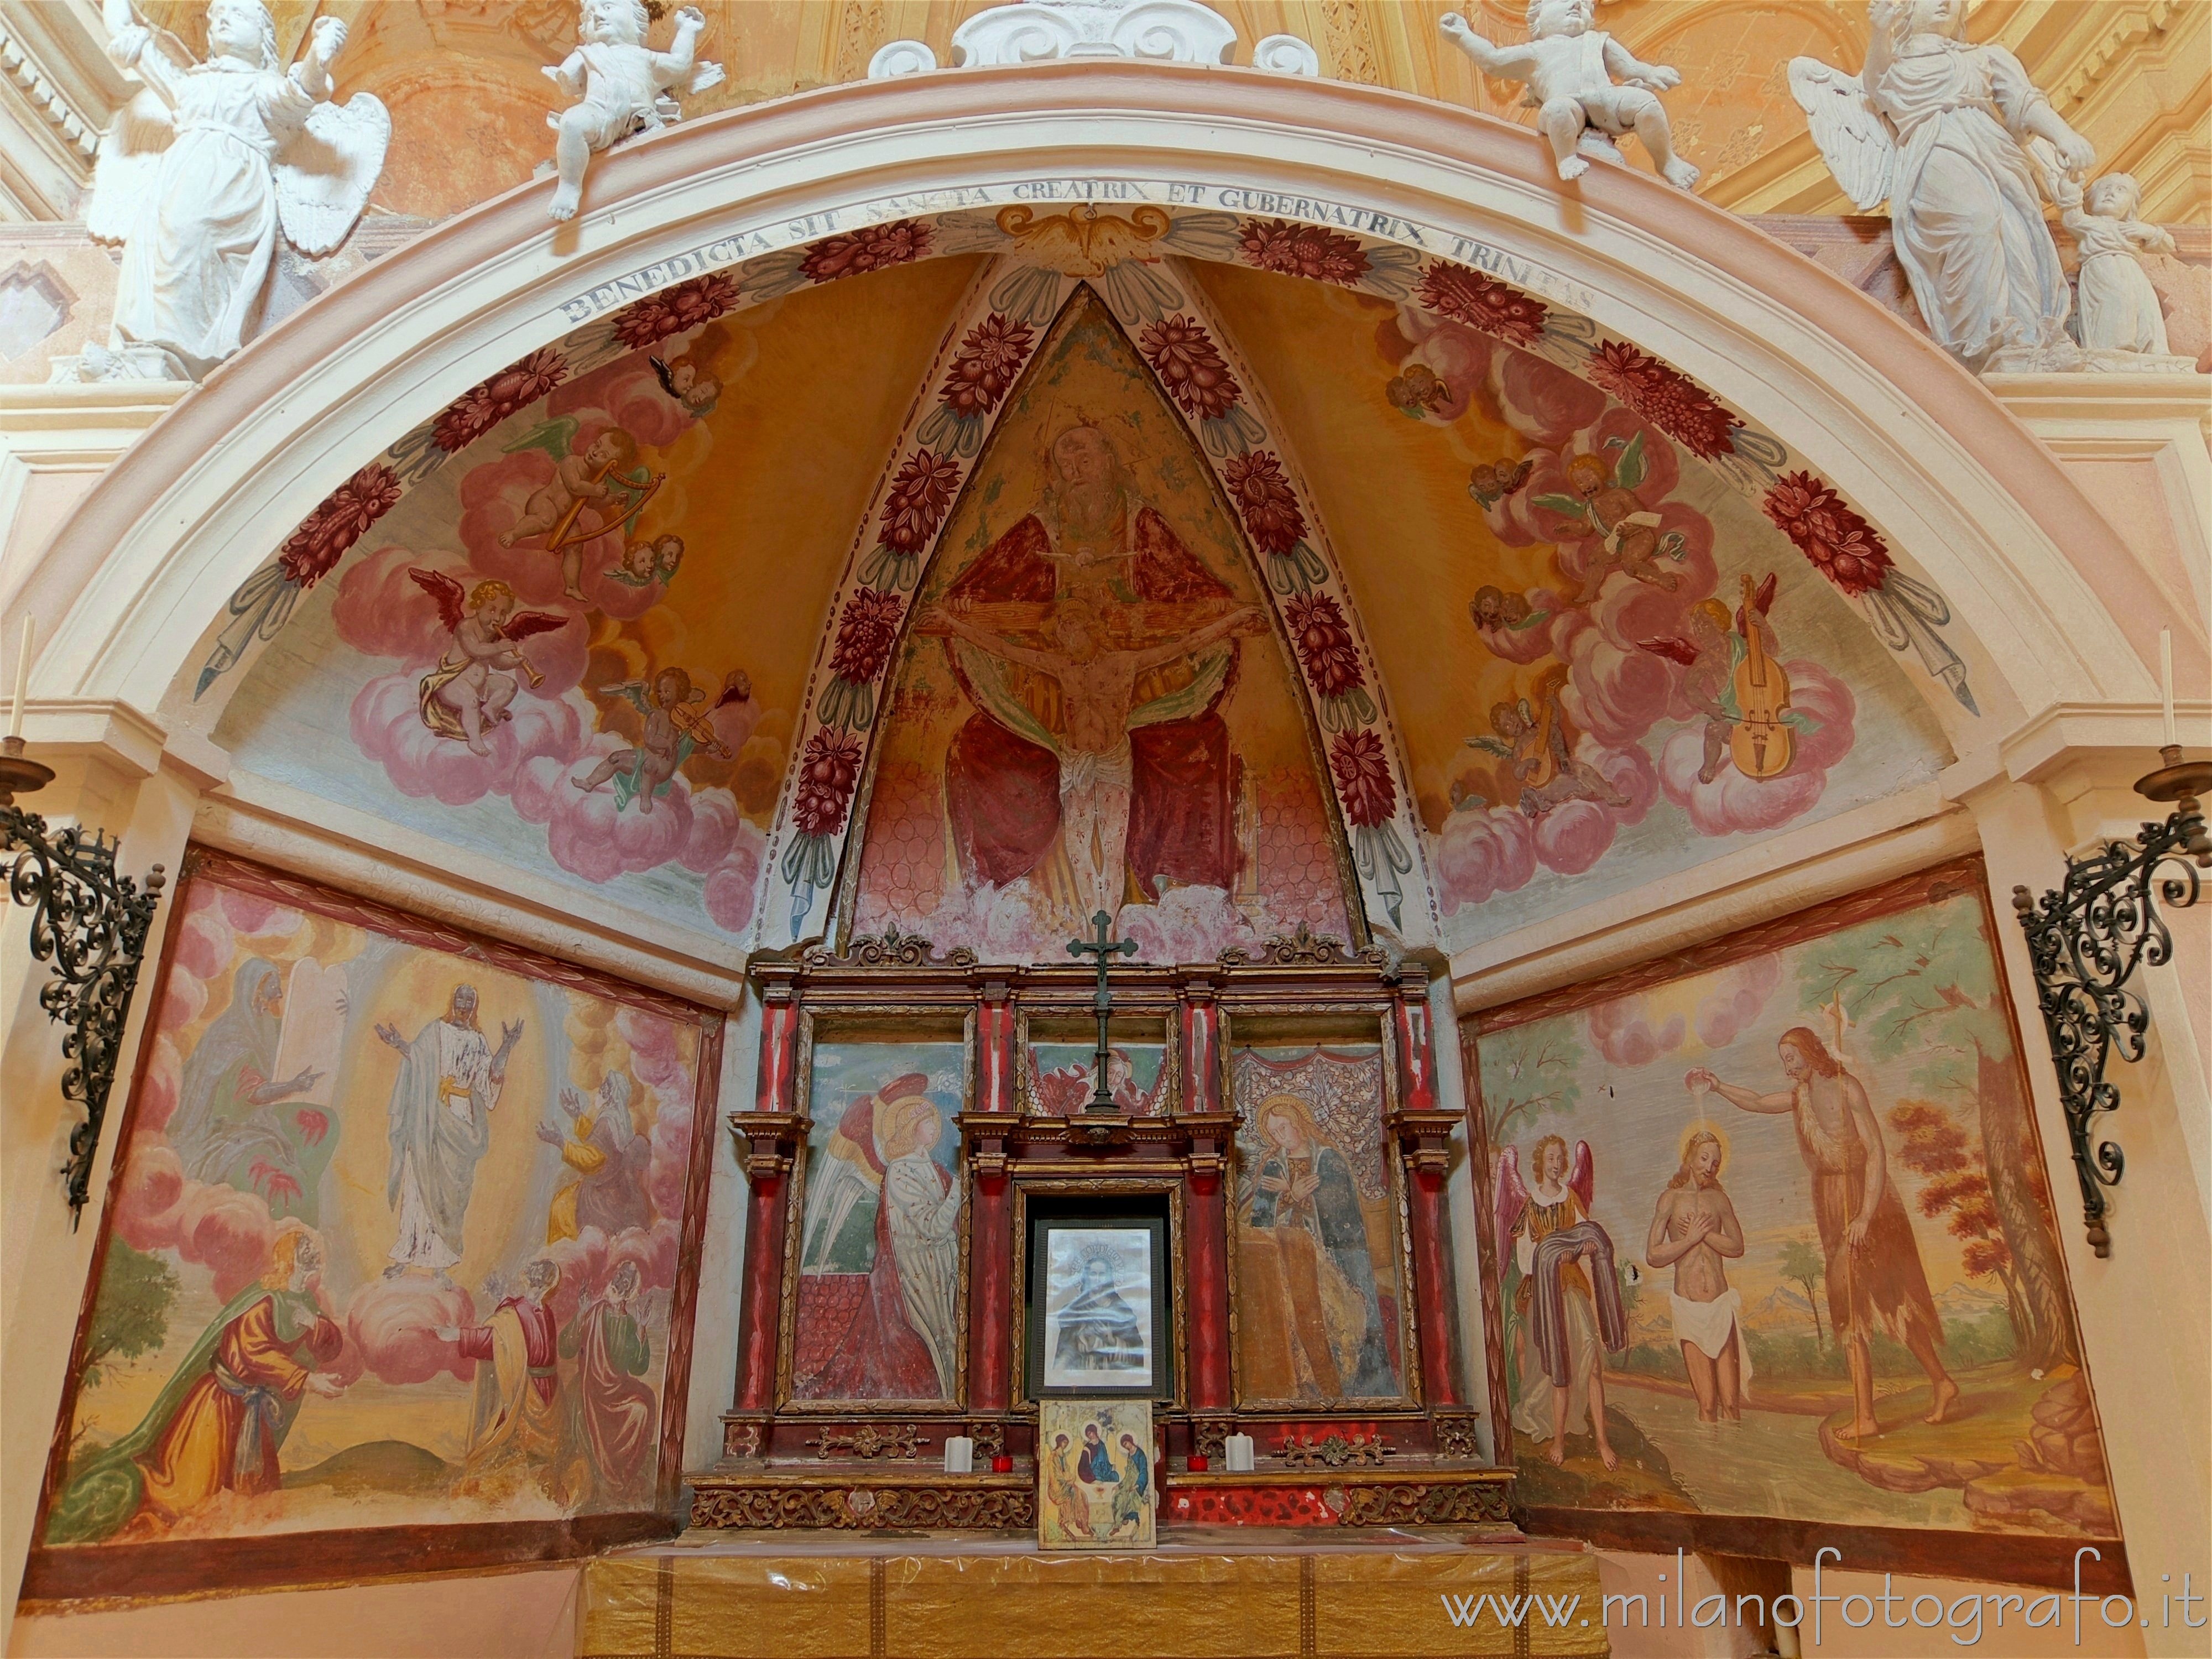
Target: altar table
[{"x": 1211, "y": 1594}]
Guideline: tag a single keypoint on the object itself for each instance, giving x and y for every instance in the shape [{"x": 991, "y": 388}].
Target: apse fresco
[
  {"x": 1320, "y": 1318},
  {"x": 564, "y": 648},
  {"x": 877, "y": 1315},
  {"x": 1646, "y": 673},
  {"x": 1774, "y": 1238},
  {"x": 394, "y": 1241},
  {"x": 1092, "y": 712}
]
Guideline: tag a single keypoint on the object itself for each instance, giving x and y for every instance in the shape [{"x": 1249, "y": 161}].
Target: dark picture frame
[{"x": 1083, "y": 1252}]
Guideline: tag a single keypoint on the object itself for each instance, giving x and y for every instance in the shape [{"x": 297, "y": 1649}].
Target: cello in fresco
[{"x": 1762, "y": 745}]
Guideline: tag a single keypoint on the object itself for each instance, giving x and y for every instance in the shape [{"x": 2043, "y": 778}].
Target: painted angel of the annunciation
[{"x": 203, "y": 170}]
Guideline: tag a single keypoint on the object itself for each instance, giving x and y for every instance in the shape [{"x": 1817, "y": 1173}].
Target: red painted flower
[
  {"x": 1843, "y": 546},
  {"x": 343, "y": 519},
  {"x": 828, "y": 769},
  {"x": 899, "y": 243},
  {"x": 920, "y": 496},
  {"x": 1325, "y": 646},
  {"x": 985, "y": 366},
  {"x": 1483, "y": 303},
  {"x": 1666, "y": 397},
  {"x": 864, "y": 634},
  {"x": 484, "y": 406},
  {"x": 1363, "y": 778},
  {"x": 1190, "y": 367},
  {"x": 687, "y": 305},
  {"x": 1263, "y": 497},
  {"x": 313, "y": 1125},
  {"x": 279, "y": 1185},
  {"x": 1291, "y": 250}
]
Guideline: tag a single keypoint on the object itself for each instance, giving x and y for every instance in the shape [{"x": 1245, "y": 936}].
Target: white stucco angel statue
[
  {"x": 1568, "y": 67},
  {"x": 1940, "y": 126},
  {"x": 624, "y": 85},
  {"x": 202, "y": 170}
]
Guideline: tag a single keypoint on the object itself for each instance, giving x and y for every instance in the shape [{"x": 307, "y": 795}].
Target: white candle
[
  {"x": 23, "y": 678},
  {"x": 1239, "y": 1448},
  {"x": 2165, "y": 681},
  {"x": 959, "y": 1455}
]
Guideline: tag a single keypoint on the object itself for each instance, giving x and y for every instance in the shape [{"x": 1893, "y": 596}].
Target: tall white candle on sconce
[
  {"x": 23, "y": 677},
  {"x": 2165, "y": 682}
]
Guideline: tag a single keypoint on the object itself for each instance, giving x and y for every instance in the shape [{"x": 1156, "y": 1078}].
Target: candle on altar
[
  {"x": 2165, "y": 681},
  {"x": 23, "y": 678},
  {"x": 1239, "y": 1449},
  {"x": 1199, "y": 1464},
  {"x": 959, "y": 1455}
]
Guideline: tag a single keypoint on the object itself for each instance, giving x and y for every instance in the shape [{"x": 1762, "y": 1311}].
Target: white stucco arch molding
[{"x": 1953, "y": 481}]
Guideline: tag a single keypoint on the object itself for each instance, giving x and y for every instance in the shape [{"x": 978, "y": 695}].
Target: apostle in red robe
[{"x": 1093, "y": 548}]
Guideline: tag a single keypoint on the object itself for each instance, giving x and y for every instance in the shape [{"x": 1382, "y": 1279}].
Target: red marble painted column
[
  {"x": 990, "y": 1236},
  {"x": 1425, "y": 1132},
  {"x": 1205, "y": 1211},
  {"x": 771, "y": 1131}
]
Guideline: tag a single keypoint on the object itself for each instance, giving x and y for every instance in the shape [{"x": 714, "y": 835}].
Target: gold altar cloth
[{"x": 833, "y": 1596}]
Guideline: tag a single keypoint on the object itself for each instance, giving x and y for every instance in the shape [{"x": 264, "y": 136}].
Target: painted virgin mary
[{"x": 1305, "y": 1200}]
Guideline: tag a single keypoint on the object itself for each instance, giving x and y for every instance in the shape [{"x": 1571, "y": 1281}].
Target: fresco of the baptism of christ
[
  {"x": 393, "y": 1241},
  {"x": 1773, "y": 1237},
  {"x": 1092, "y": 712},
  {"x": 1320, "y": 1315},
  {"x": 880, "y": 1228}
]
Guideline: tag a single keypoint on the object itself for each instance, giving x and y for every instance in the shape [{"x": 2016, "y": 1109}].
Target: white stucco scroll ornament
[
  {"x": 1568, "y": 67},
  {"x": 1941, "y": 127},
  {"x": 1043, "y": 31},
  {"x": 201, "y": 172},
  {"x": 622, "y": 86}
]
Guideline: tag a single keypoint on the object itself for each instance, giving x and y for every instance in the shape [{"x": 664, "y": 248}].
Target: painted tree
[
  {"x": 131, "y": 1317},
  {"x": 1930, "y": 1144},
  {"x": 1528, "y": 1071},
  {"x": 1803, "y": 1267},
  {"x": 1922, "y": 987}
]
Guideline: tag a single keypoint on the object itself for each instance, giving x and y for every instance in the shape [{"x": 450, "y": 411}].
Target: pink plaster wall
[{"x": 510, "y": 1615}]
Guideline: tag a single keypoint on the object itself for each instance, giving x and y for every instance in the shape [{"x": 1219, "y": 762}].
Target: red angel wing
[
  {"x": 444, "y": 589},
  {"x": 737, "y": 687},
  {"x": 1519, "y": 476},
  {"x": 1581, "y": 1174},
  {"x": 521, "y": 626},
  {"x": 1674, "y": 650},
  {"x": 1509, "y": 1197},
  {"x": 1762, "y": 601}
]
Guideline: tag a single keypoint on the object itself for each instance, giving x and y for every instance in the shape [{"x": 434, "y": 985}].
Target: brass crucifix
[{"x": 1102, "y": 1002}]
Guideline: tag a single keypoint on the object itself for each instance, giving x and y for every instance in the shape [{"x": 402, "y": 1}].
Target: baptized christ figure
[{"x": 1096, "y": 648}]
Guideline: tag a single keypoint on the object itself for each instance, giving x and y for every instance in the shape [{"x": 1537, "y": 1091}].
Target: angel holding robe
[
  {"x": 1568, "y": 1305},
  {"x": 1940, "y": 126},
  {"x": 201, "y": 171},
  {"x": 469, "y": 691}
]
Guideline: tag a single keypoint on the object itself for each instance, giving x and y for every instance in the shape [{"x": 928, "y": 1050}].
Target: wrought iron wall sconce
[
  {"x": 92, "y": 924},
  {"x": 2086, "y": 938}
]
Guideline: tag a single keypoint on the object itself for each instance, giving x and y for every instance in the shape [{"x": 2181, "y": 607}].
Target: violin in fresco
[{"x": 1762, "y": 745}]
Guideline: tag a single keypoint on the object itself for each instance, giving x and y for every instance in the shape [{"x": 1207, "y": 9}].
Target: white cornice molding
[
  {"x": 58, "y": 91},
  {"x": 322, "y": 841}
]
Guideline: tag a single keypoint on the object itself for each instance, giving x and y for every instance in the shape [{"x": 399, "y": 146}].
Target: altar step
[{"x": 1208, "y": 1594}]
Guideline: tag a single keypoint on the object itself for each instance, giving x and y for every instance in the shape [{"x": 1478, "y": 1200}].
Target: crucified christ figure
[{"x": 1097, "y": 694}]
